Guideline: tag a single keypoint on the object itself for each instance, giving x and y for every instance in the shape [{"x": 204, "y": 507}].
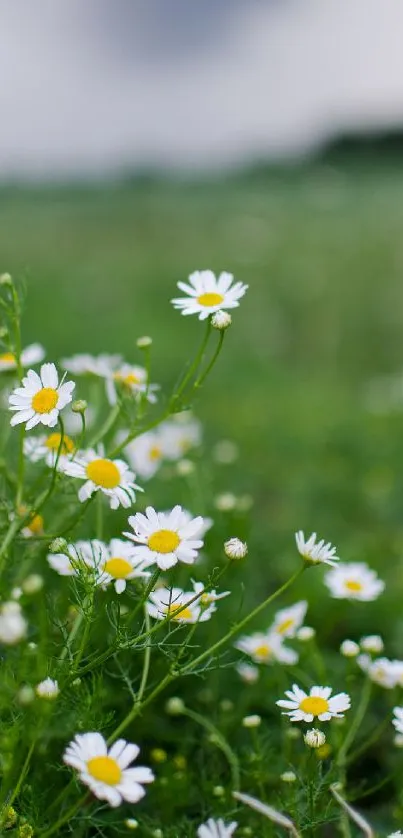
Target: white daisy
[
  {"x": 117, "y": 563},
  {"x": 207, "y": 597},
  {"x": 179, "y": 435},
  {"x": 79, "y": 556},
  {"x": 166, "y": 538},
  {"x": 301, "y": 707},
  {"x": 85, "y": 364},
  {"x": 40, "y": 398},
  {"x": 354, "y": 580},
  {"x": 289, "y": 620},
  {"x": 372, "y": 643},
  {"x": 398, "y": 720},
  {"x": 45, "y": 447},
  {"x": 145, "y": 453},
  {"x": 315, "y": 552},
  {"x": 266, "y": 648},
  {"x": 33, "y": 354},
  {"x": 178, "y": 605},
  {"x": 216, "y": 829},
  {"x": 382, "y": 671},
  {"x": 112, "y": 477},
  {"x": 206, "y": 293},
  {"x": 106, "y": 771},
  {"x": 133, "y": 379}
]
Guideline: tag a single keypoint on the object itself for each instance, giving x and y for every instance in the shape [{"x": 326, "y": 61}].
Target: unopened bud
[
  {"x": 79, "y": 406},
  {"x": 235, "y": 548},
  {"x": 314, "y": 738},
  {"x": 185, "y": 467},
  {"x": 58, "y": 545},
  {"x": 288, "y": 777},
  {"x": 5, "y": 279},
  {"x": 221, "y": 320},
  {"x": 349, "y": 649},
  {"x": 32, "y": 584},
  {"x": 144, "y": 342},
  {"x": 252, "y": 721},
  {"x": 175, "y": 706}
]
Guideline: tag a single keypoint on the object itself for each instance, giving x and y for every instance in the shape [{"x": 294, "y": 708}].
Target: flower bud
[
  {"x": 158, "y": 755},
  {"x": 131, "y": 823},
  {"x": 221, "y": 320},
  {"x": 185, "y": 467},
  {"x": 235, "y": 548},
  {"x": 32, "y": 584},
  {"x": 373, "y": 644},
  {"x": 5, "y": 279},
  {"x": 58, "y": 545},
  {"x": 47, "y": 689},
  {"x": 175, "y": 706},
  {"x": 79, "y": 406},
  {"x": 252, "y": 721},
  {"x": 314, "y": 738},
  {"x": 305, "y": 633},
  {"x": 288, "y": 777},
  {"x": 218, "y": 791},
  {"x": 349, "y": 649},
  {"x": 144, "y": 342},
  {"x": 25, "y": 695}
]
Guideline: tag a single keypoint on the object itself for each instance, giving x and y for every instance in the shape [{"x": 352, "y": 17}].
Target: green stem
[
  {"x": 198, "y": 383},
  {"x": 106, "y": 427},
  {"x": 218, "y": 739},
  {"x": 193, "y": 367},
  {"x": 358, "y": 718},
  {"x": 20, "y": 781},
  {"x": 65, "y": 818},
  {"x": 147, "y": 658}
]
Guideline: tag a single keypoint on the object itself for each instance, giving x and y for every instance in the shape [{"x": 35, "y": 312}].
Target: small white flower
[
  {"x": 112, "y": 477},
  {"x": 180, "y": 606},
  {"x": 33, "y": 354},
  {"x": 85, "y": 364},
  {"x": 248, "y": 673},
  {"x": 216, "y": 829},
  {"x": 179, "y": 435},
  {"x": 301, "y": 707},
  {"x": 266, "y": 648},
  {"x": 315, "y": 552},
  {"x": 45, "y": 447},
  {"x": 117, "y": 563},
  {"x": 145, "y": 453},
  {"x": 288, "y": 620},
  {"x": 13, "y": 626},
  {"x": 252, "y": 721},
  {"x": 354, "y": 580},
  {"x": 40, "y": 399},
  {"x": 47, "y": 688},
  {"x": 207, "y": 294},
  {"x": 166, "y": 537},
  {"x": 398, "y": 720},
  {"x": 314, "y": 738},
  {"x": 105, "y": 771},
  {"x": 349, "y": 649},
  {"x": 221, "y": 320},
  {"x": 381, "y": 671},
  {"x": 234, "y": 548},
  {"x": 372, "y": 643},
  {"x": 132, "y": 379}
]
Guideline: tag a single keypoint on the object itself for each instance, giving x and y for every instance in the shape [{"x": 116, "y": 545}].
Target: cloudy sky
[{"x": 94, "y": 85}]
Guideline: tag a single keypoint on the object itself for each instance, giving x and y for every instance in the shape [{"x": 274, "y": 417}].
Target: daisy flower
[
  {"x": 289, "y": 620},
  {"x": 354, "y": 580},
  {"x": 206, "y": 293},
  {"x": 45, "y": 447},
  {"x": 85, "y": 364},
  {"x": 145, "y": 453},
  {"x": 166, "y": 538},
  {"x": 116, "y": 562},
  {"x": 382, "y": 671},
  {"x": 112, "y": 477},
  {"x": 133, "y": 379},
  {"x": 106, "y": 772},
  {"x": 315, "y": 552},
  {"x": 398, "y": 720},
  {"x": 301, "y": 707},
  {"x": 216, "y": 829},
  {"x": 40, "y": 399},
  {"x": 207, "y": 597},
  {"x": 33, "y": 354},
  {"x": 179, "y": 435},
  {"x": 266, "y": 648},
  {"x": 167, "y": 602}
]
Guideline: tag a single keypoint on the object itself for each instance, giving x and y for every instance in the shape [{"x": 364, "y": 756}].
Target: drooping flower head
[
  {"x": 315, "y": 552},
  {"x": 206, "y": 293},
  {"x": 40, "y": 399},
  {"x": 105, "y": 771}
]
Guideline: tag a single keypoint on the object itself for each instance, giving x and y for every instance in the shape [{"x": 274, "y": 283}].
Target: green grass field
[{"x": 322, "y": 251}]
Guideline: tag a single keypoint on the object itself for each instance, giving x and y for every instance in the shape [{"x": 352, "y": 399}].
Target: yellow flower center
[
  {"x": 104, "y": 769},
  {"x": 118, "y": 568},
  {"x": 36, "y": 524},
  {"x": 8, "y": 358},
  {"x": 210, "y": 299},
  {"x": 129, "y": 380},
  {"x": 285, "y": 625},
  {"x": 155, "y": 452},
  {"x": 205, "y": 599},
  {"x": 263, "y": 651},
  {"x": 314, "y": 704},
  {"x": 353, "y": 585},
  {"x": 164, "y": 541},
  {"x": 103, "y": 473},
  {"x": 185, "y": 613},
  {"x": 53, "y": 442},
  {"x": 45, "y": 400}
]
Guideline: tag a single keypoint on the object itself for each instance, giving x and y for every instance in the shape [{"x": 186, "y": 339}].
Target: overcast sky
[{"x": 93, "y": 85}]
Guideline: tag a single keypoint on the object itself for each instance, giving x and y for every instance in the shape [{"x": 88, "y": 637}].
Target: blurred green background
[{"x": 321, "y": 249}]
